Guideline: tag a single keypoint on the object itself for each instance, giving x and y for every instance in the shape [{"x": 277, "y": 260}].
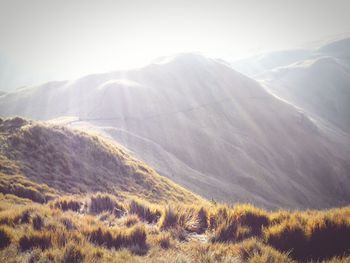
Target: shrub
[
  {"x": 34, "y": 240},
  {"x": 143, "y": 211},
  {"x": 72, "y": 254},
  {"x": 5, "y": 238},
  {"x": 168, "y": 219},
  {"x": 101, "y": 203}
]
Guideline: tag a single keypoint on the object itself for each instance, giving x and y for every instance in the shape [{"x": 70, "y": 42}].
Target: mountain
[
  {"x": 257, "y": 64},
  {"x": 63, "y": 161},
  {"x": 320, "y": 84},
  {"x": 207, "y": 127}
]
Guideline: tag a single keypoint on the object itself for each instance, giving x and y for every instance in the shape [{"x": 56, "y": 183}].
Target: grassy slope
[
  {"x": 99, "y": 228},
  {"x": 49, "y": 211},
  {"x": 75, "y": 162}
]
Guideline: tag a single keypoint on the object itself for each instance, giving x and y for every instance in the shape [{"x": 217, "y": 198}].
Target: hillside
[
  {"x": 206, "y": 127},
  {"x": 317, "y": 80},
  {"x": 101, "y": 228},
  {"x": 68, "y": 196},
  {"x": 320, "y": 86},
  {"x": 71, "y": 161}
]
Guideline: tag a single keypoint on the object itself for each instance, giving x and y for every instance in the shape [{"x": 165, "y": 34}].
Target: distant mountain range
[{"x": 215, "y": 131}]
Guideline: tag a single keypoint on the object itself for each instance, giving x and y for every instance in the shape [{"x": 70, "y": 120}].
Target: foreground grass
[{"x": 104, "y": 228}]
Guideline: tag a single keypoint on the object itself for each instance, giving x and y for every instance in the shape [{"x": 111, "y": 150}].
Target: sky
[{"x": 58, "y": 39}]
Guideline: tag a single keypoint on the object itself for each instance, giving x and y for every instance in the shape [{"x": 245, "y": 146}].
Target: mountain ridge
[{"x": 212, "y": 124}]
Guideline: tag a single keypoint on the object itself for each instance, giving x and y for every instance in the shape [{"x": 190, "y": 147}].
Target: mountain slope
[
  {"x": 319, "y": 84},
  {"x": 70, "y": 161},
  {"x": 206, "y": 127}
]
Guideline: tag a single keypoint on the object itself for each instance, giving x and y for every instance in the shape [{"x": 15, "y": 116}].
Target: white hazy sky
[{"x": 65, "y": 39}]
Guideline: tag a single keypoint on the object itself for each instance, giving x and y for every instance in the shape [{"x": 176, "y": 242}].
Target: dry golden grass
[
  {"x": 73, "y": 161},
  {"x": 84, "y": 199},
  {"x": 182, "y": 233}
]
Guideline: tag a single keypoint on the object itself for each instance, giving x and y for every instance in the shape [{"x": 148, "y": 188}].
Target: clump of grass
[
  {"x": 252, "y": 250},
  {"x": 23, "y": 188},
  {"x": 311, "y": 235},
  {"x": 131, "y": 220},
  {"x": 66, "y": 204},
  {"x": 137, "y": 236},
  {"x": 328, "y": 237},
  {"x": 68, "y": 224},
  {"x": 38, "y": 222},
  {"x": 253, "y": 218},
  {"x": 227, "y": 230},
  {"x": 5, "y": 237},
  {"x": 193, "y": 219},
  {"x": 123, "y": 238},
  {"x": 164, "y": 240},
  {"x": 144, "y": 212},
  {"x": 101, "y": 237},
  {"x": 104, "y": 202},
  {"x": 72, "y": 254},
  {"x": 217, "y": 216},
  {"x": 169, "y": 218},
  {"x": 35, "y": 240},
  {"x": 23, "y": 218},
  {"x": 289, "y": 236}
]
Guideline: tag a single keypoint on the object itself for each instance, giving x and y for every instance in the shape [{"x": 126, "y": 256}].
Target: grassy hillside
[
  {"x": 100, "y": 228},
  {"x": 68, "y": 196},
  {"x": 71, "y": 161}
]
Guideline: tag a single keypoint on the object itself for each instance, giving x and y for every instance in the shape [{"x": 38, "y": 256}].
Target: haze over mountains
[
  {"x": 217, "y": 132},
  {"x": 315, "y": 80}
]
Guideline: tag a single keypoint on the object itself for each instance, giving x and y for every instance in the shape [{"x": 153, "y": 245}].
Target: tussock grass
[
  {"x": 103, "y": 202},
  {"x": 66, "y": 204},
  {"x": 164, "y": 240},
  {"x": 38, "y": 222},
  {"x": 5, "y": 237},
  {"x": 169, "y": 218},
  {"x": 22, "y": 187},
  {"x": 308, "y": 235},
  {"x": 134, "y": 237},
  {"x": 144, "y": 210},
  {"x": 131, "y": 220},
  {"x": 207, "y": 233},
  {"x": 35, "y": 240},
  {"x": 69, "y": 161},
  {"x": 73, "y": 254}
]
